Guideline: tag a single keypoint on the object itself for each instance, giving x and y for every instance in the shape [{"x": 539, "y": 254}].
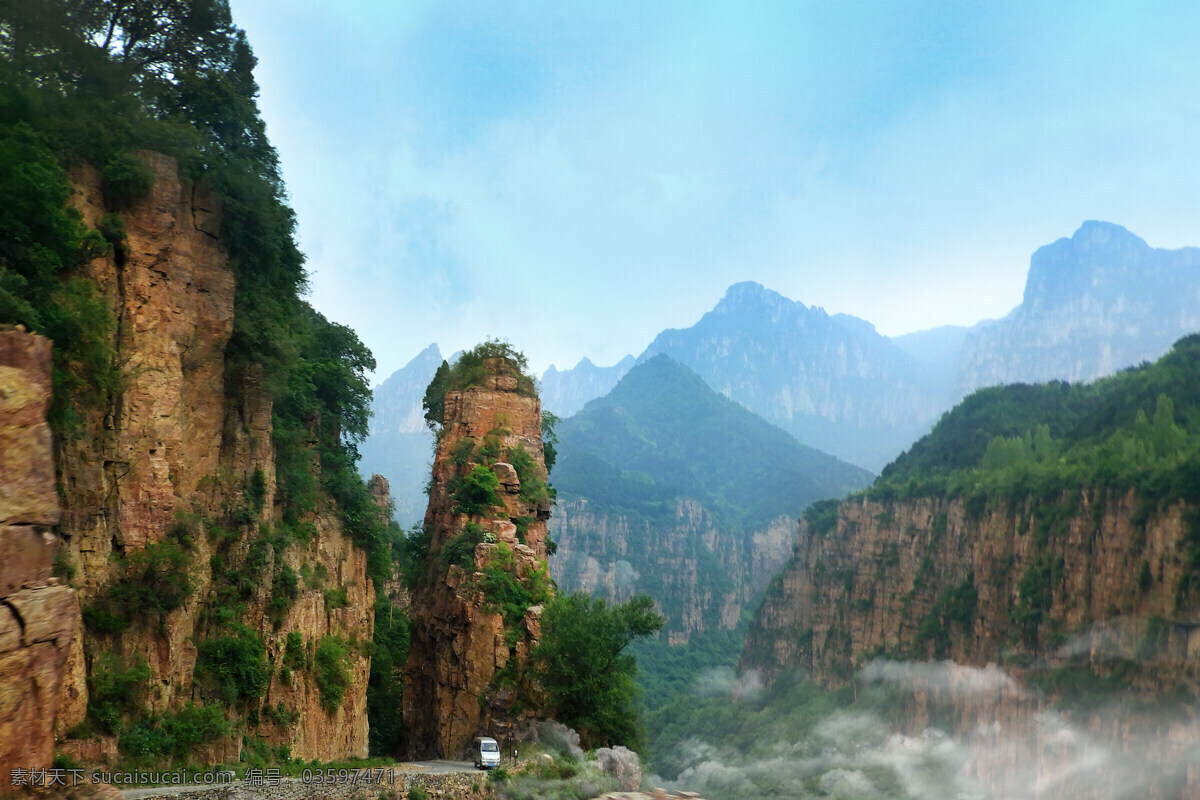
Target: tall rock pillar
[{"x": 476, "y": 614}]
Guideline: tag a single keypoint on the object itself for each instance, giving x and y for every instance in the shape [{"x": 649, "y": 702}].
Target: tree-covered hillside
[
  {"x": 1137, "y": 429},
  {"x": 663, "y": 434}
]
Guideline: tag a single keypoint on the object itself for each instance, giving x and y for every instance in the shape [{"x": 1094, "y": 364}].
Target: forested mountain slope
[
  {"x": 666, "y": 487},
  {"x": 1054, "y": 529}
]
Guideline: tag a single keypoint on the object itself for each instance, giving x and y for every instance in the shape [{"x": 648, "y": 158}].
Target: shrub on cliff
[
  {"x": 534, "y": 488},
  {"x": 233, "y": 668},
  {"x": 505, "y": 592},
  {"x": 175, "y": 734},
  {"x": 115, "y": 691},
  {"x": 475, "y": 493},
  {"x": 152, "y": 582},
  {"x": 331, "y": 670}
]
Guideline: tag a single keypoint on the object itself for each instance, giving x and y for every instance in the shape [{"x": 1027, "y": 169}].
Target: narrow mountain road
[{"x": 293, "y": 787}]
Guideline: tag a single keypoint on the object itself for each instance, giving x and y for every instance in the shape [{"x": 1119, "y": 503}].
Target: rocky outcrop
[
  {"x": 703, "y": 576},
  {"x": 1080, "y": 595},
  {"x": 465, "y": 669},
  {"x": 931, "y": 578},
  {"x": 39, "y": 617},
  {"x": 180, "y": 451}
]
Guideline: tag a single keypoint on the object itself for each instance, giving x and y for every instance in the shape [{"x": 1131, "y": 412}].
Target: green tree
[
  {"x": 549, "y": 439},
  {"x": 434, "y": 401},
  {"x": 582, "y": 664}
]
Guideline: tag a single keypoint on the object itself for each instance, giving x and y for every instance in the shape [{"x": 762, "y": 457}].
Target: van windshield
[{"x": 489, "y": 747}]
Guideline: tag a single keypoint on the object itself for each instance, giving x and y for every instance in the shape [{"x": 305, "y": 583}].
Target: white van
[{"x": 486, "y": 752}]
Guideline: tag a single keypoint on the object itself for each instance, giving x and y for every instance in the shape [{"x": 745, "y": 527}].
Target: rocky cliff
[
  {"x": 476, "y": 611},
  {"x": 930, "y": 578},
  {"x": 169, "y": 478},
  {"x": 1094, "y": 303},
  {"x": 1078, "y": 597},
  {"x": 39, "y": 617},
  {"x": 702, "y": 576}
]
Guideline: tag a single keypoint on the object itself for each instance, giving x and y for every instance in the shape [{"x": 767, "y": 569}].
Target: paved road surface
[{"x": 407, "y": 768}]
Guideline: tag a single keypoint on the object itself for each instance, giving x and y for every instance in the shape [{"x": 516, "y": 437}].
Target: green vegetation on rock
[
  {"x": 332, "y": 672},
  {"x": 494, "y": 357},
  {"x": 93, "y": 84}
]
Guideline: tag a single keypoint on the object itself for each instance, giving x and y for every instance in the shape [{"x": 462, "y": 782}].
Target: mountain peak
[
  {"x": 430, "y": 355},
  {"x": 1099, "y": 253},
  {"x": 753, "y": 297},
  {"x": 1094, "y": 231}
]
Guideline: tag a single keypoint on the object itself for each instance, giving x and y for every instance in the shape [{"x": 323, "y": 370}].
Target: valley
[{"x": 756, "y": 549}]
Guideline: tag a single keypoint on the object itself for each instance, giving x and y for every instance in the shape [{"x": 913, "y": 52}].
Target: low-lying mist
[{"x": 933, "y": 731}]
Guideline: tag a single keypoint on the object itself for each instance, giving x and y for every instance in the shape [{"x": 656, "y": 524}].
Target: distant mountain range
[
  {"x": 1095, "y": 303},
  {"x": 400, "y": 447},
  {"x": 832, "y": 382},
  {"x": 567, "y": 391},
  {"x": 668, "y": 488}
]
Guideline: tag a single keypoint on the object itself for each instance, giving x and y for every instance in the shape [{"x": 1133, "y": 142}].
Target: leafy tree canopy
[
  {"x": 1137, "y": 429},
  {"x": 490, "y": 358},
  {"x": 582, "y": 664}
]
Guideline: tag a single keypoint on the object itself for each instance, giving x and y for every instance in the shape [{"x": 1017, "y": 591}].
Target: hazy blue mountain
[
  {"x": 400, "y": 447},
  {"x": 832, "y": 382},
  {"x": 937, "y": 348},
  {"x": 668, "y": 488},
  {"x": 1095, "y": 303},
  {"x": 564, "y": 392}
]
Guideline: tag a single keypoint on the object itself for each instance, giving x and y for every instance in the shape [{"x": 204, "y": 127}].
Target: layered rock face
[
  {"x": 702, "y": 576},
  {"x": 182, "y": 450},
  {"x": 39, "y": 617},
  {"x": 467, "y": 656},
  {"x": 1079, "y": 592}
]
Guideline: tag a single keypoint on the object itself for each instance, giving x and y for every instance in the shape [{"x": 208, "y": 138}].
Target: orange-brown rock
[
  {"x": 183, "y": 435},
  {"x": 38, "y": 616},
  {"x": 926, "y": 579},
  {"x": 459, "y": 641}
]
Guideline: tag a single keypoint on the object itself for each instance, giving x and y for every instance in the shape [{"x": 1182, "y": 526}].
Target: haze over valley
[{"x": 540, "y": 402}]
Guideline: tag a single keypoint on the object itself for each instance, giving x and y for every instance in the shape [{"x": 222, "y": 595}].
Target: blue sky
[{"x": 575, "y": 177}]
